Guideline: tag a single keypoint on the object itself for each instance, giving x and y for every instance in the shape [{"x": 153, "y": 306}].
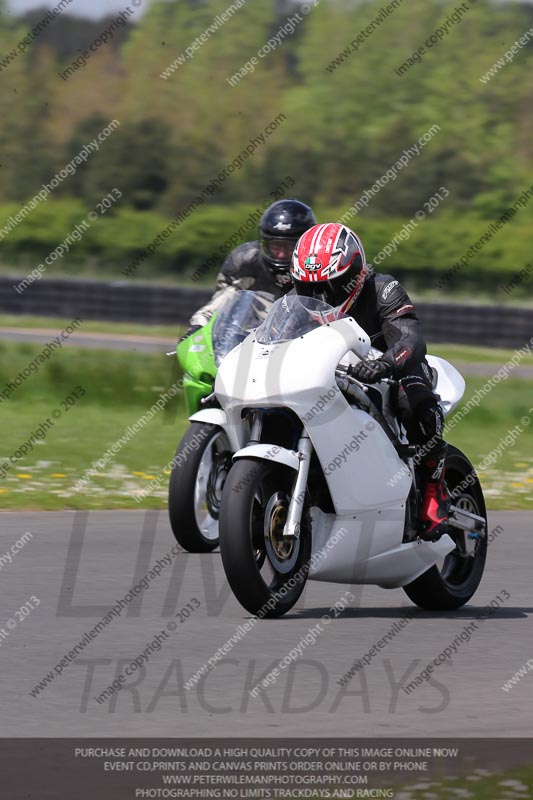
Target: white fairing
[
  {"x": 213, "y": 416},
  {"x": 362, "y": 541},
  {"x": 269, "y": 452},
  {"x": 450, "y": 383},
  {"x": 367, "y": 548},
  {"x": 294, "y": 374}
]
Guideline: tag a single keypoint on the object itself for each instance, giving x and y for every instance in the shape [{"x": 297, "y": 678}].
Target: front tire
[
  {"x": 266, "y": 571},
  {"x": 451, "y": 585},
  {"x": 201, "y": 465}
]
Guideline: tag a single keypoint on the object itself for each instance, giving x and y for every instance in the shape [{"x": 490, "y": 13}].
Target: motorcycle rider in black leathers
[
  {"x": 329, "y": 264},
  {"x": 261, "y": 266}
]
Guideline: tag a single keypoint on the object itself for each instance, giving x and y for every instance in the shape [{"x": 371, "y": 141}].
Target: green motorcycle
[{"x": 204, "y": 455}]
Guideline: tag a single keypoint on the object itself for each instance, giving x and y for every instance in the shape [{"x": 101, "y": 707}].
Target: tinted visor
[
  {"x": 328, "y": 291},
  {"x": 277, "y": 249}
]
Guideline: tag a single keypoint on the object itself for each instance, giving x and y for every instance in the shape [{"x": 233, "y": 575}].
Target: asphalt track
[{"x": 78, "y": 565}]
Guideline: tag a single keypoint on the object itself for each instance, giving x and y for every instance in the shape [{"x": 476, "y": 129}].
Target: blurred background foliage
[{"x": 343, "y": 129}]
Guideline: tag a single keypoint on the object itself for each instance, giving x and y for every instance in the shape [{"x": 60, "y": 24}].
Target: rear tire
[
  {"x": 453, "y": 584},
  {"x": 266, "y": 571},
  {"x": 202, "y": 462}
]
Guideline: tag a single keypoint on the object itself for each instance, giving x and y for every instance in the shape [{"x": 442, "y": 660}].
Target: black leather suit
[{"x": 385, "y": 311}]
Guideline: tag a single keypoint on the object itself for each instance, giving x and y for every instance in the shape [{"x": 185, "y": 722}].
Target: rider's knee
[{"x": 431, "y": 421}]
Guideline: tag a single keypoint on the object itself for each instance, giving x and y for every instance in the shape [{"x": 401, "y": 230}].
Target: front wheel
[
  {"x": 451, "y": 584},
  {"x": 201, "y": 464},
  {"x": 266, "y": 570}
]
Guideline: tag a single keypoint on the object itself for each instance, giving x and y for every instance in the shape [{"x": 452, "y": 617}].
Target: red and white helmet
[{"x": 329, "y": 264}]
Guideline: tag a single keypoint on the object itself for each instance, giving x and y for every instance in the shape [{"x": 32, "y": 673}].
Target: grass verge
[
  {"x": 89, "y": 326},
  {"x": 119, "y": 387},
  {"x": 481, "y": 784},
  {"x": 452, "y": 352}
]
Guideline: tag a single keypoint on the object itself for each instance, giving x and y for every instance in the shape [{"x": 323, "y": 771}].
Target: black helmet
[{"x": 280, "y": 227}]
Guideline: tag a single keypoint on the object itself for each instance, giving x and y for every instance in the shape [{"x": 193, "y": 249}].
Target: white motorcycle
[{"x": 323, "y": 484}]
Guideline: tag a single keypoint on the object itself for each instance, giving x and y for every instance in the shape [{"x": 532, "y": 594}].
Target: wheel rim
[
  {"x": 212, "y": 472},
  {"x": 278, "y": 560},
  {"x": 282, "y": 552},
  {"x": 458, "y": 565}
]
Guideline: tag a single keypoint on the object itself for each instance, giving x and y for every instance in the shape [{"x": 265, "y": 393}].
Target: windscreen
[
  {"x": 241, "y": 312},
  {"x": 292, "y": 316}
]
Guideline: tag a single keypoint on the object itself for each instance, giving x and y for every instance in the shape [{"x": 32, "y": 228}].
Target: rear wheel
[
  {"x": 201, "y": 465},
  {"x": 266, "y": 570},
  {"x": 452, "y": 583}
]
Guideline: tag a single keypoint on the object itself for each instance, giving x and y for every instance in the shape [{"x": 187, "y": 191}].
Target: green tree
[{"x": 134, "y": 159}]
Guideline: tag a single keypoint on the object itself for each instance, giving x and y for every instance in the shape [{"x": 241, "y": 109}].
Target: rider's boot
[{"x": 436, "y": 503}]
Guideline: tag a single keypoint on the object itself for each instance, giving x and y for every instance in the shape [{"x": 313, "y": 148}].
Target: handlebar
[{"x": 342, "y": 372}]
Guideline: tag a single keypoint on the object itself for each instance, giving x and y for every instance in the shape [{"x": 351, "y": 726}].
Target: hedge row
[{"x": 426, "y": 253}]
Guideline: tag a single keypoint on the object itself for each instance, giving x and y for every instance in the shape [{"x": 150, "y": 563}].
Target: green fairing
[{"x": 198, "y": 365}]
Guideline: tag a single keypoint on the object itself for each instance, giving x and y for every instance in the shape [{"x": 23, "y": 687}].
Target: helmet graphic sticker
[{"x": 312, "y": 263}]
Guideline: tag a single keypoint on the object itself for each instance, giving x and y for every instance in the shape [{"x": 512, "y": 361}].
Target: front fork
[
  {"x": 294, "y": 516},
  {"x": 304, "y": 453}
]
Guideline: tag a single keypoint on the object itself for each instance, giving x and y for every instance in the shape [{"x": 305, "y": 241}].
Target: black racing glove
[
  {"x": 370, "y": 371},
  {"x": 192, "y": 329}
]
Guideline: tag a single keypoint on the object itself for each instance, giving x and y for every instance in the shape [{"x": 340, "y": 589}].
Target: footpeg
[{"x": 466, "y": 521}]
